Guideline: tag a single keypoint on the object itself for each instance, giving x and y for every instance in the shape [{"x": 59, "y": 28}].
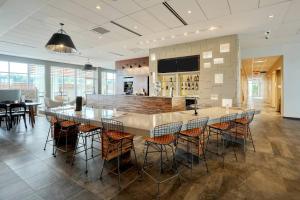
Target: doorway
[{"x": 261, "y": 81}]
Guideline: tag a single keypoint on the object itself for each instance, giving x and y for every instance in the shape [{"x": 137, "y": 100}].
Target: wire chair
[
  {"x": 195, "y": 136},
  {"x": 163, "y": 135},
  {"x": 114, "y": 138},
  {"x": 243, "y": 127},
  {"x": 224, "y": 128},
  {"x": 86, "y": 131}
]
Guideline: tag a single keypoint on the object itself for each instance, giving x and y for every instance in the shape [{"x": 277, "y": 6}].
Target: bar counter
[
  {"x": 143, "y": 124},
  {"x": 137, "y": 104}
]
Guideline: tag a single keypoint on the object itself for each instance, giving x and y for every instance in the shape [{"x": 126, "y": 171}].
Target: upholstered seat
[
  {"x": 164, "y": 139},
  {"x": 220, "y": 126},
  {"x": 85, "y": 128},
  {"x": 117, "y": 135},
  {"x": 68, "y": 124},
  {"x": 195, "y": 132},
  {"x": 241, "y": 121}
]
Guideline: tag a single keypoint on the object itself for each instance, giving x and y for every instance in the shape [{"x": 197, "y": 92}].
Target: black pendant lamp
[
  {"x": 61, "y": 42},
  {"x": 88, "y": 66}
]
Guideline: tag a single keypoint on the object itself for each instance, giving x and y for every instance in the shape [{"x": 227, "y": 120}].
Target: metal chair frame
[
  {"x": 17, "y": 110},
  {"x": 84, "y": 136},
  {"x": 50, "y": 132},
  {"x": 229, "y": 124},
  {"x": 4, "y": 114},
  {"x": 63, "y": 131},
  {"x": 248, "y": 115},
  {"x": 114, "y": 125},
  {"x": 197, "y": 126},
  {"x": 161, "y": 131}
]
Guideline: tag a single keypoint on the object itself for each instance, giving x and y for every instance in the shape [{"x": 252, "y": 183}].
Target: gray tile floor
[{"x": 273, "y": 172}]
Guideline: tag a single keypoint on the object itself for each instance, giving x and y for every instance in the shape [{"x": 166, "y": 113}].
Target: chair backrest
[
  {"x": 166, "y": 129},
  {"x": 17, "y": 107},
  {"x": 3, "y": 108},
  {"x": 228, "y": 121},
  {"x": 250, "y": 115},
  {"x": 112, "y": 125},
  {"x": 199, "y": 123}
]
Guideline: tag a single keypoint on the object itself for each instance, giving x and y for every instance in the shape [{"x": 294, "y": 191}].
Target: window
[
  {"x": 67, "y": 83},
  {"x": 29, "y": 77},
  {"x": 108, "y": 80}
]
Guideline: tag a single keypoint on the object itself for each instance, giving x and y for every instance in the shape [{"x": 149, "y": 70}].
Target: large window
[
  {"x": 29, "y": 77},
  {"x": 108, "y": 81},
  {"x": 67, "y": 83}
]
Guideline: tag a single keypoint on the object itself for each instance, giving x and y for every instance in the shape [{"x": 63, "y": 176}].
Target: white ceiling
[{"x": 27, "y": 25}]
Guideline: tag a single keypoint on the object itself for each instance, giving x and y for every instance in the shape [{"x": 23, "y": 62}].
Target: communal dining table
[{"x": 143, "y": 124}]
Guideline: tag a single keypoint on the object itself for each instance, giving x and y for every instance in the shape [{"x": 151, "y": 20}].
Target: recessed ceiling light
[
  {"x": 135, "y": 27},
  {"x": 154, "y": 40},
  {"x": 100, "y": 37},
  {"x": 98, "y": 7},
  {"x": 259, "y": 61},
  {"x": 147, "y": 41},
  {"x": 162, "y": 38},
  {"x": 197, "y": 31},
  {"x": 271, "y": 16},
  {"x": 141, "y": 42},
  {"x": 185, "y": 34},
  {"x": 212, "y": 28},
  {"x": 173, "y": 36},
  {"x": 189, "y": 11}
]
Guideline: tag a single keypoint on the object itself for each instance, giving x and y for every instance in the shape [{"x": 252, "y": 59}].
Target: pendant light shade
[
  {"x": 88, "y": 66},
  {"x": 61, "y": 42}
]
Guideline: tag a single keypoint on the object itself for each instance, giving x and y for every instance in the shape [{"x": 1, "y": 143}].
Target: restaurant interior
[{"x": 149, "y": 99}]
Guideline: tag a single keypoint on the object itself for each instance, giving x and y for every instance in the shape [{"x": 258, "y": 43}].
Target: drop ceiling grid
[{"x": 215, "y": 8}]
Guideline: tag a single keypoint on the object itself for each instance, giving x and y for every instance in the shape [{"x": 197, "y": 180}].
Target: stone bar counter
[{"x": 137, "y": 104}]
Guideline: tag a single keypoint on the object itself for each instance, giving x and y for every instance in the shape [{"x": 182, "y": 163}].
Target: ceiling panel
[
  {"x": 148, "y": 3},
  {"x": 242, "y": 5},
  {"x": 189, "y": 10},
  {"x": 270, "y": 2},
  {"x": 106, "y": 10},
  {"x": 214, "y": 8},
  {"x": 79, "y": 11},
  {"x": 117, "y": 32},
  {"x": 293, "y": 13},
  {"x": 133, "y": 25},
  {"x": 53, "y": 16},
  {"x": 125, "y": 6},
  {"x": 162, "y": 14},
  {"x": 143, "y": 17}
]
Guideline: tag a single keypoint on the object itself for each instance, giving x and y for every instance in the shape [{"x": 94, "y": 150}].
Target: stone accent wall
[{"x": 208, "y": 89}]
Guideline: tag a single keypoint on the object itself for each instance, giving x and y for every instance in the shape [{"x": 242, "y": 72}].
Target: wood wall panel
[{"x": 137, "y": 104}]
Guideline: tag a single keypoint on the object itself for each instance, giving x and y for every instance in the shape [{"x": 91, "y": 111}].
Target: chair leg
[
  {"x": 146, "y": 154},
  {"x": 204, "y": 157},
  {"x": 104, "y": 160},
  {"x": 24, "y": 118},
  {"x": 161, "y": 159},
  {"x": 75, "y": 150},
  {"x": 251, "y": 139},
  {"x": 47, "y": 138},
  {"x": 223, "y": 153},
  {"x": 85, "y": 151},
  {"x": 119, "y": 173},
  {"x": 92, "y": 144},
  {"x": 136, "y": 162}
]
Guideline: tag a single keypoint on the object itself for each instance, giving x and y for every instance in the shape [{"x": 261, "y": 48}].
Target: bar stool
[
  {"x": 87, "y": 131},
  {"x": 115, "y": 143},
  {"x": 163, "y": 136},
  {"x": 4, "y": 115},
  {"x": 67, "y": 126},
  {"x": 224, "y": 129},
  {"x": 243, "y": 127},
  {"x": 52, "y": 120},
  {"x": 195, "y": 139}
]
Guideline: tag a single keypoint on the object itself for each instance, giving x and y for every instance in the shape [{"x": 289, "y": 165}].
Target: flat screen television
[{"x": 180, "y": 64}]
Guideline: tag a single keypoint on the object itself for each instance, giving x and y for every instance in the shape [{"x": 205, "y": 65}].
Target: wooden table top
[{"x": 143, "y": 124}]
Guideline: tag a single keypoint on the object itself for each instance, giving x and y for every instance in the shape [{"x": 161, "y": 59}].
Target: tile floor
[{"x": 273, "y": 172}]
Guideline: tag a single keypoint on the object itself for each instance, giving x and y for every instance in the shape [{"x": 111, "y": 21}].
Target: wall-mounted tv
[{"x": 180, "y": 64}]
